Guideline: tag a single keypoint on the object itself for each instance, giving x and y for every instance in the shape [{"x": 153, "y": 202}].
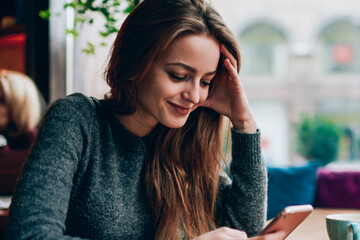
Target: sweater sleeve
[
  {"x": 40, "y": 202},
  {"x": 242, "y": 202}
]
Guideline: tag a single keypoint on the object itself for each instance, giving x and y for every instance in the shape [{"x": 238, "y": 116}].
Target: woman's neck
[{"x": 136, "y": 124}]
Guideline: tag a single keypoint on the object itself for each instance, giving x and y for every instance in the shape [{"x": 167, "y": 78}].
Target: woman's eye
[
  {"x": 205, "y": 83},
  {"x": 177, "y": 77}
]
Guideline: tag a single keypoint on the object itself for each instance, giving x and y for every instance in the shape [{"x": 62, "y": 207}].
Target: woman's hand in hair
[
  {"x": 234, "y": 234},
  {"x": 228, "y": 95}
]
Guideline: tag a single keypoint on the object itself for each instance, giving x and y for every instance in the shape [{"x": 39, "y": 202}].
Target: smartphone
[{"x": 288, "y": 219}]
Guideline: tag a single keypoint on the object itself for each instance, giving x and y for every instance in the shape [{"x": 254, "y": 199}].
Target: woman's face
[{"x": 178, "y": 80}]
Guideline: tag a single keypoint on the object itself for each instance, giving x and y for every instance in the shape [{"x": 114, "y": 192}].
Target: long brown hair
[{"x": 182, "y": 172}]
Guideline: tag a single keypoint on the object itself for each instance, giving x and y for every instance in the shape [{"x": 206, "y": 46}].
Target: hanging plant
[{"x": 84, "y": 10}]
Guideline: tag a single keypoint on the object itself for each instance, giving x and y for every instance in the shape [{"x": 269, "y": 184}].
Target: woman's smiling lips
[{"x": 180, "y": 109}]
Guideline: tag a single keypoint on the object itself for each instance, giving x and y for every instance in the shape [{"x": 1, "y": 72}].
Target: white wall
[{"x": 272, "y": 119}]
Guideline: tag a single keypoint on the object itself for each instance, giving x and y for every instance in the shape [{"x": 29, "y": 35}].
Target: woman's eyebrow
[
  {"x": 191, "y": 69},
  {"x": 187, "y": 67},
  {"x": 211, "y": 73}
]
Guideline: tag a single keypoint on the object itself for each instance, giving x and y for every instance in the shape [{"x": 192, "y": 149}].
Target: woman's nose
[{"x": 191, "y": 93}]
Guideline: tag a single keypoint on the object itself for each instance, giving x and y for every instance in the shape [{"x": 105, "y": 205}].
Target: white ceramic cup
[{"x": 343, "y": 226}]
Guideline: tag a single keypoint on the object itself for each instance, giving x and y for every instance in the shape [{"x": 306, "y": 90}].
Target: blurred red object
[
  {"x": 343, "y": 53},
  {"x": 12, "y": 52}
]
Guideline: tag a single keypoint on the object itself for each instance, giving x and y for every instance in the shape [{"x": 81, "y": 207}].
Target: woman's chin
[{"x": 175, "y": 124}]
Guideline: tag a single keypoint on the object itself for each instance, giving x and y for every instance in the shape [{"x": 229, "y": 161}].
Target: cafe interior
[{"x": 25, "y": 47}]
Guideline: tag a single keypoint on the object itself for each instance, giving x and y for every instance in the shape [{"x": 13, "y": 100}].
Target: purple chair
[{"x": 337, "y": 189}]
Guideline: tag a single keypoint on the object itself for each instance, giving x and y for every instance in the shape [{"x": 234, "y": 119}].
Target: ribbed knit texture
[{"x": 83, "y": 180}]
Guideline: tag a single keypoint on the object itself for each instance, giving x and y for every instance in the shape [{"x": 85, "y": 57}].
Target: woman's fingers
[
  {"x": 271, "y": 236},
  {"x": 234, "y": 234},
  {"x": 228, "y": 55},
  {"x": 226, "y": 84},
  {"x": 223, "y": 233},
  {"x": 231, "y": 69}
]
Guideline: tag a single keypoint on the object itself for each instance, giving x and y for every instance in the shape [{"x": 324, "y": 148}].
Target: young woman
[{"x": 145, "y": 162}]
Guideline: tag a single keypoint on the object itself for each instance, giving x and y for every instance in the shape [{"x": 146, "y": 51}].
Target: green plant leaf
[
  {"x": 90, "y": 49},
  {"x": 107, "y": 8},
  {"x": 72, "y": 32},
  {"x": 129, "y": 9},
  {"x": 110, "y": 29},
  {"x": 89, "y": 4},
  {"x": 105, "y": 12},
  {"x": 104, "y": 34},
  {"x": 45, "y": 14},
  {"x": 112, "y": 20},
  {"x": 72, "y": 5},
  {"x": 81, "y": 11},
  {"x": 79, "y": 19}
]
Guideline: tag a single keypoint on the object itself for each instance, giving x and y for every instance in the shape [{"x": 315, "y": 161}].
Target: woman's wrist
[{"x": 247, "y": 126}]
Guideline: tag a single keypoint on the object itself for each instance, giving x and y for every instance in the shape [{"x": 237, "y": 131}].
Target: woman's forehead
[{"x": 195, "y": 49}]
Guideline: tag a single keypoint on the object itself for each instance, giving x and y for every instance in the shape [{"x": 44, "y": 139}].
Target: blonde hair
[{"x": 23, "y": 101}]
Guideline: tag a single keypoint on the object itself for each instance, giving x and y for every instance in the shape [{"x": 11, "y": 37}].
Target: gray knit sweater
[{"x": 83, "y": 180}]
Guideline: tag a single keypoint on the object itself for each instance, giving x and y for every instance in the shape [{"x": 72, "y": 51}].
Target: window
[
  {"x": 346, "y": 113},
  {"x": 264, "y": 50},
  {"x": 340, "y": 46}
]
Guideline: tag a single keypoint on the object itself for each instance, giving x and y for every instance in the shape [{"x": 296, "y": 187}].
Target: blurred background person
[{"x": 20, "y": 109}]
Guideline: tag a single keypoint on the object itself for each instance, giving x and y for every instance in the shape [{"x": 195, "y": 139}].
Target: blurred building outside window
[
  {"x": 265, "y": 57},
  {"x": 346, "y": 113},
  {"x": 300, "y": 86},
  {"x": 265, "y": 50},
  {"x": 339, "y": 51}
]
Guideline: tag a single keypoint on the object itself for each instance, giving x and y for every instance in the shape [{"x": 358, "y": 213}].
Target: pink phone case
[{"x": 288, "y": 219}]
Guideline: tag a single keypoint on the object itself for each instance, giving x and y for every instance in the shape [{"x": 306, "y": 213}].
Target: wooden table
[{"x": 314, "y": 226}]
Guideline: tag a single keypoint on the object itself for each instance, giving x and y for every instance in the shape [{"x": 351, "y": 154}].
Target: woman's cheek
[{"x": 204, "y": 95}]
